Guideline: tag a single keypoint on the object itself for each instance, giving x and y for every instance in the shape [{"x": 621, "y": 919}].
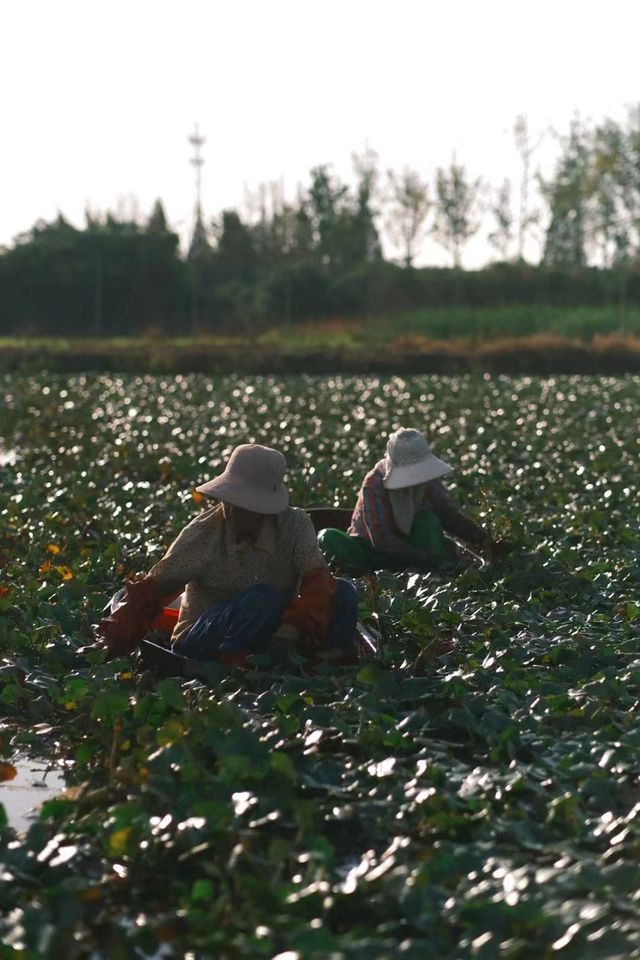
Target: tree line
[{"x": 321, "y": 255}]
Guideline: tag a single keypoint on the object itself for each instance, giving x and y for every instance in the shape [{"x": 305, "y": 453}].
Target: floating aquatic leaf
[{"x": 470, "y": 793}]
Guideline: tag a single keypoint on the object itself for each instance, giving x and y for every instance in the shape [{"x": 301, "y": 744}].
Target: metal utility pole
[
  {"x": 197, "y": 141},
  {"x": 199, "y": 242},
  {"x": 199, "y": 246}
]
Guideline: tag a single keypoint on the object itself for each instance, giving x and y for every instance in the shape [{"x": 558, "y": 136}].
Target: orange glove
[
  {"x": 123, "y": 629},
  {"x": 310, "y": 613}
]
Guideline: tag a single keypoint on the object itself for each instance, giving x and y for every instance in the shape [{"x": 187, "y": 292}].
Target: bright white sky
[{"x": 98, "y": 96}]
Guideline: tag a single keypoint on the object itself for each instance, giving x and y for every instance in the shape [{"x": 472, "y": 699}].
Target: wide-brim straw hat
[
  {"x": 410, "y": 461},
  {"x": 252, "y": 480}
]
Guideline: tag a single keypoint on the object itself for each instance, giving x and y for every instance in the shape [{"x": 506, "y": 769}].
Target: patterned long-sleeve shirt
[
  {"x": 373, "y": 520},
  {"x": 213, "y": 565}
]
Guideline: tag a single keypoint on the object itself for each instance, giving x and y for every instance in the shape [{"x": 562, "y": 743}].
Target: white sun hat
[
  {"x": 409, "y": 460},
  {"x": 252, "y": 479}
]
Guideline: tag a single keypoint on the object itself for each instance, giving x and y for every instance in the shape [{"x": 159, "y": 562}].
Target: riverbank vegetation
[{"x": 350, "y": 250}]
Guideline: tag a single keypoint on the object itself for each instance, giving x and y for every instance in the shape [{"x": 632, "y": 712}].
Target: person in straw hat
[
  {"x": 251, "y": 570},
  {"x": 402, "y": 511}
]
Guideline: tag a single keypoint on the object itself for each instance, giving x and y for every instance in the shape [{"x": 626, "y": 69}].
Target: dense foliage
[
  {"x": 471, "y": 794},
  {"x": 118, "y": 279},
  {"x": 322, "y": 256}
]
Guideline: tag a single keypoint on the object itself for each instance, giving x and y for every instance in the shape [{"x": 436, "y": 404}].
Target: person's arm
[
  {"x": 378, "y": 519},
  {"x": 309, "y": 615},
  {"x": 453, "y": 520},
  {"x": 144, "y": 599},
  {"x": 122, "y": 630}
]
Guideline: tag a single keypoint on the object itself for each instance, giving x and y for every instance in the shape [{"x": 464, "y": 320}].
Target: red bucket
[{"x": 168, "y": 618}]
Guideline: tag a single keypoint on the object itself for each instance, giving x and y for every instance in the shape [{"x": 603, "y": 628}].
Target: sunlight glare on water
[
  {"x": 7, "y": 457},
  {"x": 33, "y": 784}
]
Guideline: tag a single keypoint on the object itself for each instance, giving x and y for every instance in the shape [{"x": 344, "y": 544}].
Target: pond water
[
  {"x": 33, "y": 784},
  {"x": 7, "y": 457}
]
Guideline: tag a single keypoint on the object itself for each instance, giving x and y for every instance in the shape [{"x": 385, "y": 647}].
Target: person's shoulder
[
  {"x": 295, "y": 521},
  {"x": 436, "y": 491},
  {"x": 437, "y": 484},
  {"x": 375, "y": 476},
  {"x": 295, "y": 517},
  {"x": 204, "y": 522}
]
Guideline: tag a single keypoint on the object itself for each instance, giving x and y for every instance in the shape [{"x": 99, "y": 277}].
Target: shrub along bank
[{"x": 348, "y": 353}]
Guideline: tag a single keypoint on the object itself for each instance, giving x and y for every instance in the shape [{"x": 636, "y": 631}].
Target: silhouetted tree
[
  {"x": 456, "y": 212},
  {"x": 157, "y": 222},
  {"x": 409, "y": 206},
  {"x": 567, "y": 194},
  {"x": 319, "y": 255},
  {"x": 366, "y": 169},
  {"x": 501, "y": 237},
  {"x": 526, "y": 148}
]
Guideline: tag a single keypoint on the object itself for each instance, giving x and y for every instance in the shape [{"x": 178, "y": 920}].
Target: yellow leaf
[
  {"x": 118, "y": 841},
  {"x": 125, "y": 675},
  {"x": 92, "y": 895},
  {"x": 169, "y": 732},
  {"x": 45, "y": 567},
  {"x": 70, "y": 705},
  {"x": 7, "y": 771},
  {"x": 53, "y": 548},
  {"x": 64, "y": 572},
  {"x": 198, "y": 497}
]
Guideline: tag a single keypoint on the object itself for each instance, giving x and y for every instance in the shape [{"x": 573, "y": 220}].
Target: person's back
[{"x": 401, "y": 514}]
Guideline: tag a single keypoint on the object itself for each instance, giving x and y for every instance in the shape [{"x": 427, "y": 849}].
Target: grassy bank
[
  {"x": 444, "y": 340},
  {"x": 497, "y": 323},
  {"x": 542, "y": 353}
]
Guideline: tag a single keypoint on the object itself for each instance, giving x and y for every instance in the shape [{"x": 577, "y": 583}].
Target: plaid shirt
[{"x": 373, "y": 521}]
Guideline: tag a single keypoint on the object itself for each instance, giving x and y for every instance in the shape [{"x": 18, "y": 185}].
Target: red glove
[
  {"x": 123, "y": 630},
  {"x": 310, "y": 613}
]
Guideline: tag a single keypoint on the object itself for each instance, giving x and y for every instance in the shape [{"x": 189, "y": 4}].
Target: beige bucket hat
[
  {"x": 410, "y": 461},
  {"x": 252, "y": 479}
]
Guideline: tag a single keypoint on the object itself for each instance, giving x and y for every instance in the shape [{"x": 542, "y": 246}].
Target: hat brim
[
  {"x": 431, "y": 468},
  {"x": 241, "y": 494}
]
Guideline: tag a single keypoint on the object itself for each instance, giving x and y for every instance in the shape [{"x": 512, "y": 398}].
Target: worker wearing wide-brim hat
[
  {"x": 402, "y": 511},
  {"x": 250, "y": 568}
]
